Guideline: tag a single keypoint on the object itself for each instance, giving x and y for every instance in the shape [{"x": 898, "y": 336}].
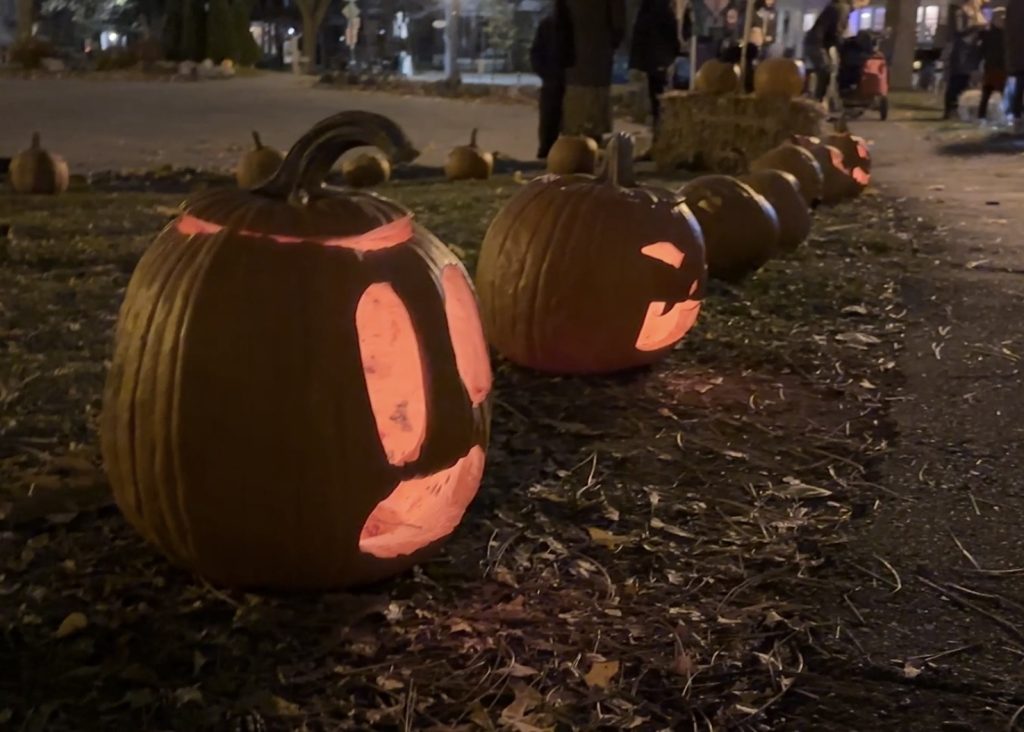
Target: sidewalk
[{"x": 944, "y": 559}]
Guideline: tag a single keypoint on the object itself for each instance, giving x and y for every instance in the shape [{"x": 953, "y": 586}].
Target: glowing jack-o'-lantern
[
  {"x": 298, "y": 392},
  {"x": 582, "y": 274},
  {"x": 856, "y": 157},
  {"x": 840, "y": 182}
]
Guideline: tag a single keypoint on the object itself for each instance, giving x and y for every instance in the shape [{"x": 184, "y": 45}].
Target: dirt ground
[{"x": 806, "y": 518}]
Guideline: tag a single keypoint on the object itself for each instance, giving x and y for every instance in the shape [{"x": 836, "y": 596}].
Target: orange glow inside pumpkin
[
  {"x": 467, "y": 334},
  {"x": 664, "y": 325},
  {"x": 394, "y": 372},
  {"x": 860, "y": 175},
  {"x": 422, "y": 510},
  {"x": 388, "y": 235}
]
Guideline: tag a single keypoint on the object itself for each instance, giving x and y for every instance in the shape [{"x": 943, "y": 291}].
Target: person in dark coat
[
  {"x": 993, "y": 56},
  {"x": 551, "y": 54},
  {"x": 825, "y": 35},
  {"x": 654, "y": 47},
  {"x": 965, "y": 25}
]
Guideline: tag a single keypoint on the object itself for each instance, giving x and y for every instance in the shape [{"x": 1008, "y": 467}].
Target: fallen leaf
[
  {"x": 910, "y": 671},
  {"x": 601, "y": 674},
  {"x": 188, "y": 694},
  {"x": 389, "y": 683},
  {"x": 284, "y": 708},
  {"x": 71, "y": 625},
  {"x": 520, "y": 671},
  {"x": 526, "y": 699},
  {"x": 607, "y": 539}
]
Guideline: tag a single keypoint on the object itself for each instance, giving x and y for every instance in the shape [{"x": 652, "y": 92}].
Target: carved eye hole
[
  {"x": 467, "y": 334},
  {"x": 393, "y": 369},
  {"x": 661, "y": 328}
]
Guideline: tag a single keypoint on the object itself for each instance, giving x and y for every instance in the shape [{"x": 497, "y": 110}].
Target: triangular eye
[
  {"x": 393, "y": 371},
  {"x": 665, "y": 251}
]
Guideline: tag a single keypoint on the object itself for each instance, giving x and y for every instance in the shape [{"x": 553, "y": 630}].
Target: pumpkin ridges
[{"x": 153, "y": 391}]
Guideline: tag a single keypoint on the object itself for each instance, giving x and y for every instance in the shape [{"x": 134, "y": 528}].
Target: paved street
[{"x": 110, "y": 124}]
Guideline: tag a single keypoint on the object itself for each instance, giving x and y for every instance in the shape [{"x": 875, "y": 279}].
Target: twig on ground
[
  {"x": 966, "y": 553},
  {"x": 964, "y": 602},
  {"x": 899, "y": 582}
]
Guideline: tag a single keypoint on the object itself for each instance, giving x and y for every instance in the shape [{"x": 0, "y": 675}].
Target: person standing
[
  {"x": 965, "y": 25},
  {"x": 822, "y": 39},
  {"x": 993, "y": 56},
  {"x": 1014, "y": 38},
  {"x": 654, "y": 48},
  {"x": 551, "y": 54}
]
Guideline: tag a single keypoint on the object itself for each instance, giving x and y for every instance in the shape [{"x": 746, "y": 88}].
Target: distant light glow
[
  {"x": 439, "y": 24},
  {"x": 291, "y": 31}
]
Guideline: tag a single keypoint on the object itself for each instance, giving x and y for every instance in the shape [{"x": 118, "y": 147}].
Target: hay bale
[{"x": 723, "y": 133}]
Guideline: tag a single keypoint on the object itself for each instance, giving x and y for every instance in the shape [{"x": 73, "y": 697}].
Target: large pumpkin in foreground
[
  {"x": 582, "y": 275},
  {"x": 297, "y": 397},
  {"x": 741, "y": 229}
]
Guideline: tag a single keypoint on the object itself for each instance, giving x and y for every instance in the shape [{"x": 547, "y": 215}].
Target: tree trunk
[
  {"x": 451, "y": 40},
  {"x": 901, "y": 17},
  {"x": 310, "y": 31},
  {"x": 25, "y": 19},
  {"x": 598, "y": 27}
]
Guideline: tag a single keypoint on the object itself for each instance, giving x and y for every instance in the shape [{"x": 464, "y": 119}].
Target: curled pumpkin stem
[{"x": 618, "y": 161}]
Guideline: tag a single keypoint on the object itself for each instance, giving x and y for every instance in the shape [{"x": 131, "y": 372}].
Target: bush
[
  {"x": 115, "y": 59},
  {"x": 220, "y": 35},
  {"x": 30, "y": 54}
]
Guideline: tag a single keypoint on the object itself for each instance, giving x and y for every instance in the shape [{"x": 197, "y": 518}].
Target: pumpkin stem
[
  {"x": 35, "y": 141},
  {"x": 618, "y": 161},
  {"x": 472, "y": 137},
  {"x": 256, "y": 139},
  {"x": 311, "y": 158}
]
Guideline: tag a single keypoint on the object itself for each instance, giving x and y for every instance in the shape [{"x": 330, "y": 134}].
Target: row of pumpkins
[{"x": 299, "y": 392}]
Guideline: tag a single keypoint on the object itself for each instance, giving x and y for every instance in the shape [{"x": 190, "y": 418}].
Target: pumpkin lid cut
[{"x": 295, "y": 204}]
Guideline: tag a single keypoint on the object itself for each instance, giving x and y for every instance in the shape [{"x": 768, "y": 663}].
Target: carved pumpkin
[
  {"x": 839, "y": 184},
  {"x": 782, "y": 191},
  {"x": 297, "y": 397},
  {"x": 778, "y": 77},
  {"x": 468, "y": 162},
  {"x": 37, "y": 171},
  {"x": 716, "y": 77},
  {"x": 572, "y": 154},
  {"x": 856, "y": 156},
  {"x": 741, "y": 231},
  {"x": 798, "y": 162},
  {"x": 583, "y": 274},
  {"x": 257, "y": 165},
  {"x": 365, "y": 170}
]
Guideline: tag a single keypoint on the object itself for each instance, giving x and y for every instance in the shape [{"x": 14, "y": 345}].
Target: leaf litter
[{"x": 636, "y": 559}]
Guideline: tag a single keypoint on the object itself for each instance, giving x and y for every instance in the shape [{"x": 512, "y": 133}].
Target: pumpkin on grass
[
  {"x": 365, "y": 170},
  {"x": 716, "y": 77},
  {"x": 469, "y": 162},
  {"x": 778, "y": 77},
  {"x": 741, "y": 231},
  {"x": 839, "y": 182},
  {"x": 782, "y": 191},
  {"x": 856, "y": 156},
  {"x": 798, "y": 162},
  {"x": 572, "y": 154},
  {"x": 258, "y": 164},
  {"x": 583, "y": 274},
  {"x": 298, "y": 392},
  {"x": 37, "y": 171}
]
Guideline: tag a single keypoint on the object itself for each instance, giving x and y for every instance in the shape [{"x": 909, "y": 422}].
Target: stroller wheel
[{"x": 883, "y": 108}]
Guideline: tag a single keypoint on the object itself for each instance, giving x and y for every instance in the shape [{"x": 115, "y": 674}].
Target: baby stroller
[{"x": 862, "y": 80}]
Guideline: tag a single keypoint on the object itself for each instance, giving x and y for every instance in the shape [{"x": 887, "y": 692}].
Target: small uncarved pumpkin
[
  {"x": 782, "y": 191},
  {"x": 856, "y": 156},
  {"x": 258, "y": 164},
  {"x": 839, "y": 183},
  {"x": 716, "y": 77},
  {"x": 778, "y": 77},
  {"x": 37, "y": 171},
  {"x": 741, "y": 230},
  {"x": 582, "y": 274},
  {"x": 298, "y": 393},
  {"x": 572, "y": 154},
  {"x": 469, "y": 162},
  {"x": 365, "y": 170},
  {"x": 798, "y": 162}
]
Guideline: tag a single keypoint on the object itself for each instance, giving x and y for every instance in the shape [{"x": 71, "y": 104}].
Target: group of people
[
  {"x": 661, "y": 30},
  {"x": 993, "y": 46}
]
